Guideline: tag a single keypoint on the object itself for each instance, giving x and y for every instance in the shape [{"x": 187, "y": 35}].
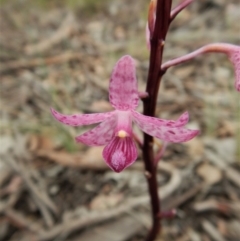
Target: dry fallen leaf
[
  {"x": 226, "y": 129},
  {"x": 91, "y": 159},
  {"x": 101, "y": 106},
  {"x": 36, "y": 142},
  {"x": 195, "y": 147},
  {"x": 102, "y": 201},
  {"x": 210, "y": 174}
]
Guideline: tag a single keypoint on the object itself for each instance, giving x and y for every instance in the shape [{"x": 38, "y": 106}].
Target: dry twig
[
  {"x": 31, "y": 63},
  {"x": 40, "y": 194},
  {"x": 68, "y": 26},
  {"x": 94, "y": 217},
  {"x": 212, "y": 231}
]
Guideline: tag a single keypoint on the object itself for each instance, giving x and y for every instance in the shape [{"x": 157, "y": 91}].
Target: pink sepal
[
  {"x": 163, "y": 132},
  {"x": 180, "y": 122},
  {"x": 120, "y": 153},
  {"x": 123, "y": 93},
  {"x": 100, "y": 135},
  {"x": 80, "y": 119}
]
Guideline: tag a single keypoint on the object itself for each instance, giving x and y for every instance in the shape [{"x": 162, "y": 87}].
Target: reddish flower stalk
[
  {"x": 157, "y": 38},
  {"x": 157, "y": 27}
]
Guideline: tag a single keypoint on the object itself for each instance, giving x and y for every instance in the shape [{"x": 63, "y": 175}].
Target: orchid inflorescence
[{"x": 114, "y": 129}]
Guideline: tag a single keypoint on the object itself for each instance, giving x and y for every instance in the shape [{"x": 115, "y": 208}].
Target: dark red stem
[{"x": 153, "y": 82}]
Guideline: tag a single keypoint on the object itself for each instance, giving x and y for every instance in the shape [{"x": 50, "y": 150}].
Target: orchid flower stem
[
  {"x": 155, "y": 74},
  {"x": 160, "y": 153},
  {"x": 216, "y": 47}
]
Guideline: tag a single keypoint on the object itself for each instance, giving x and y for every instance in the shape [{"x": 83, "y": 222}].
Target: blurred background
[{"x": 60, "y": 54}]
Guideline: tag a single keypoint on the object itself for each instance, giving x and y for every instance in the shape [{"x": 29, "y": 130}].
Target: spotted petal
[
  {"x": 180, "y": 122},
  {"x": 123, "y": 93},
  {"x": 120, "y": 153},
  {"x": 163, "y": 132},
  {"x": 100, "y": 135},
  {"x": 80, "y": 119}
]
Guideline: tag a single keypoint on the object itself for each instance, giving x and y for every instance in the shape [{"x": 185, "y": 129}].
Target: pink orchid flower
[{"x": 115, "y": 128}]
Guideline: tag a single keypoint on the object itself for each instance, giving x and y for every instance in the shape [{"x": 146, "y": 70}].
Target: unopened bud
[{"x": 152, "y": 16}]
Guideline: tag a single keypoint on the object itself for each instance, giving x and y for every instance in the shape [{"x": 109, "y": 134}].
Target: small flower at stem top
[{"x": 115, "y": 128}]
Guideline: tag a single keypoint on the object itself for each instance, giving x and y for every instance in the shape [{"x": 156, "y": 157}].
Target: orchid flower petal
[
  {"x": 234, "y": 57},
  {"x": 163, "y": 132},
  {"x": 120, "y": 153},
  {"x": 80, "y": 119},
  {"x": 123, "y": 93},
  {"x": 100, "y": 135},
  {"x": 180, "y": 122}
]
